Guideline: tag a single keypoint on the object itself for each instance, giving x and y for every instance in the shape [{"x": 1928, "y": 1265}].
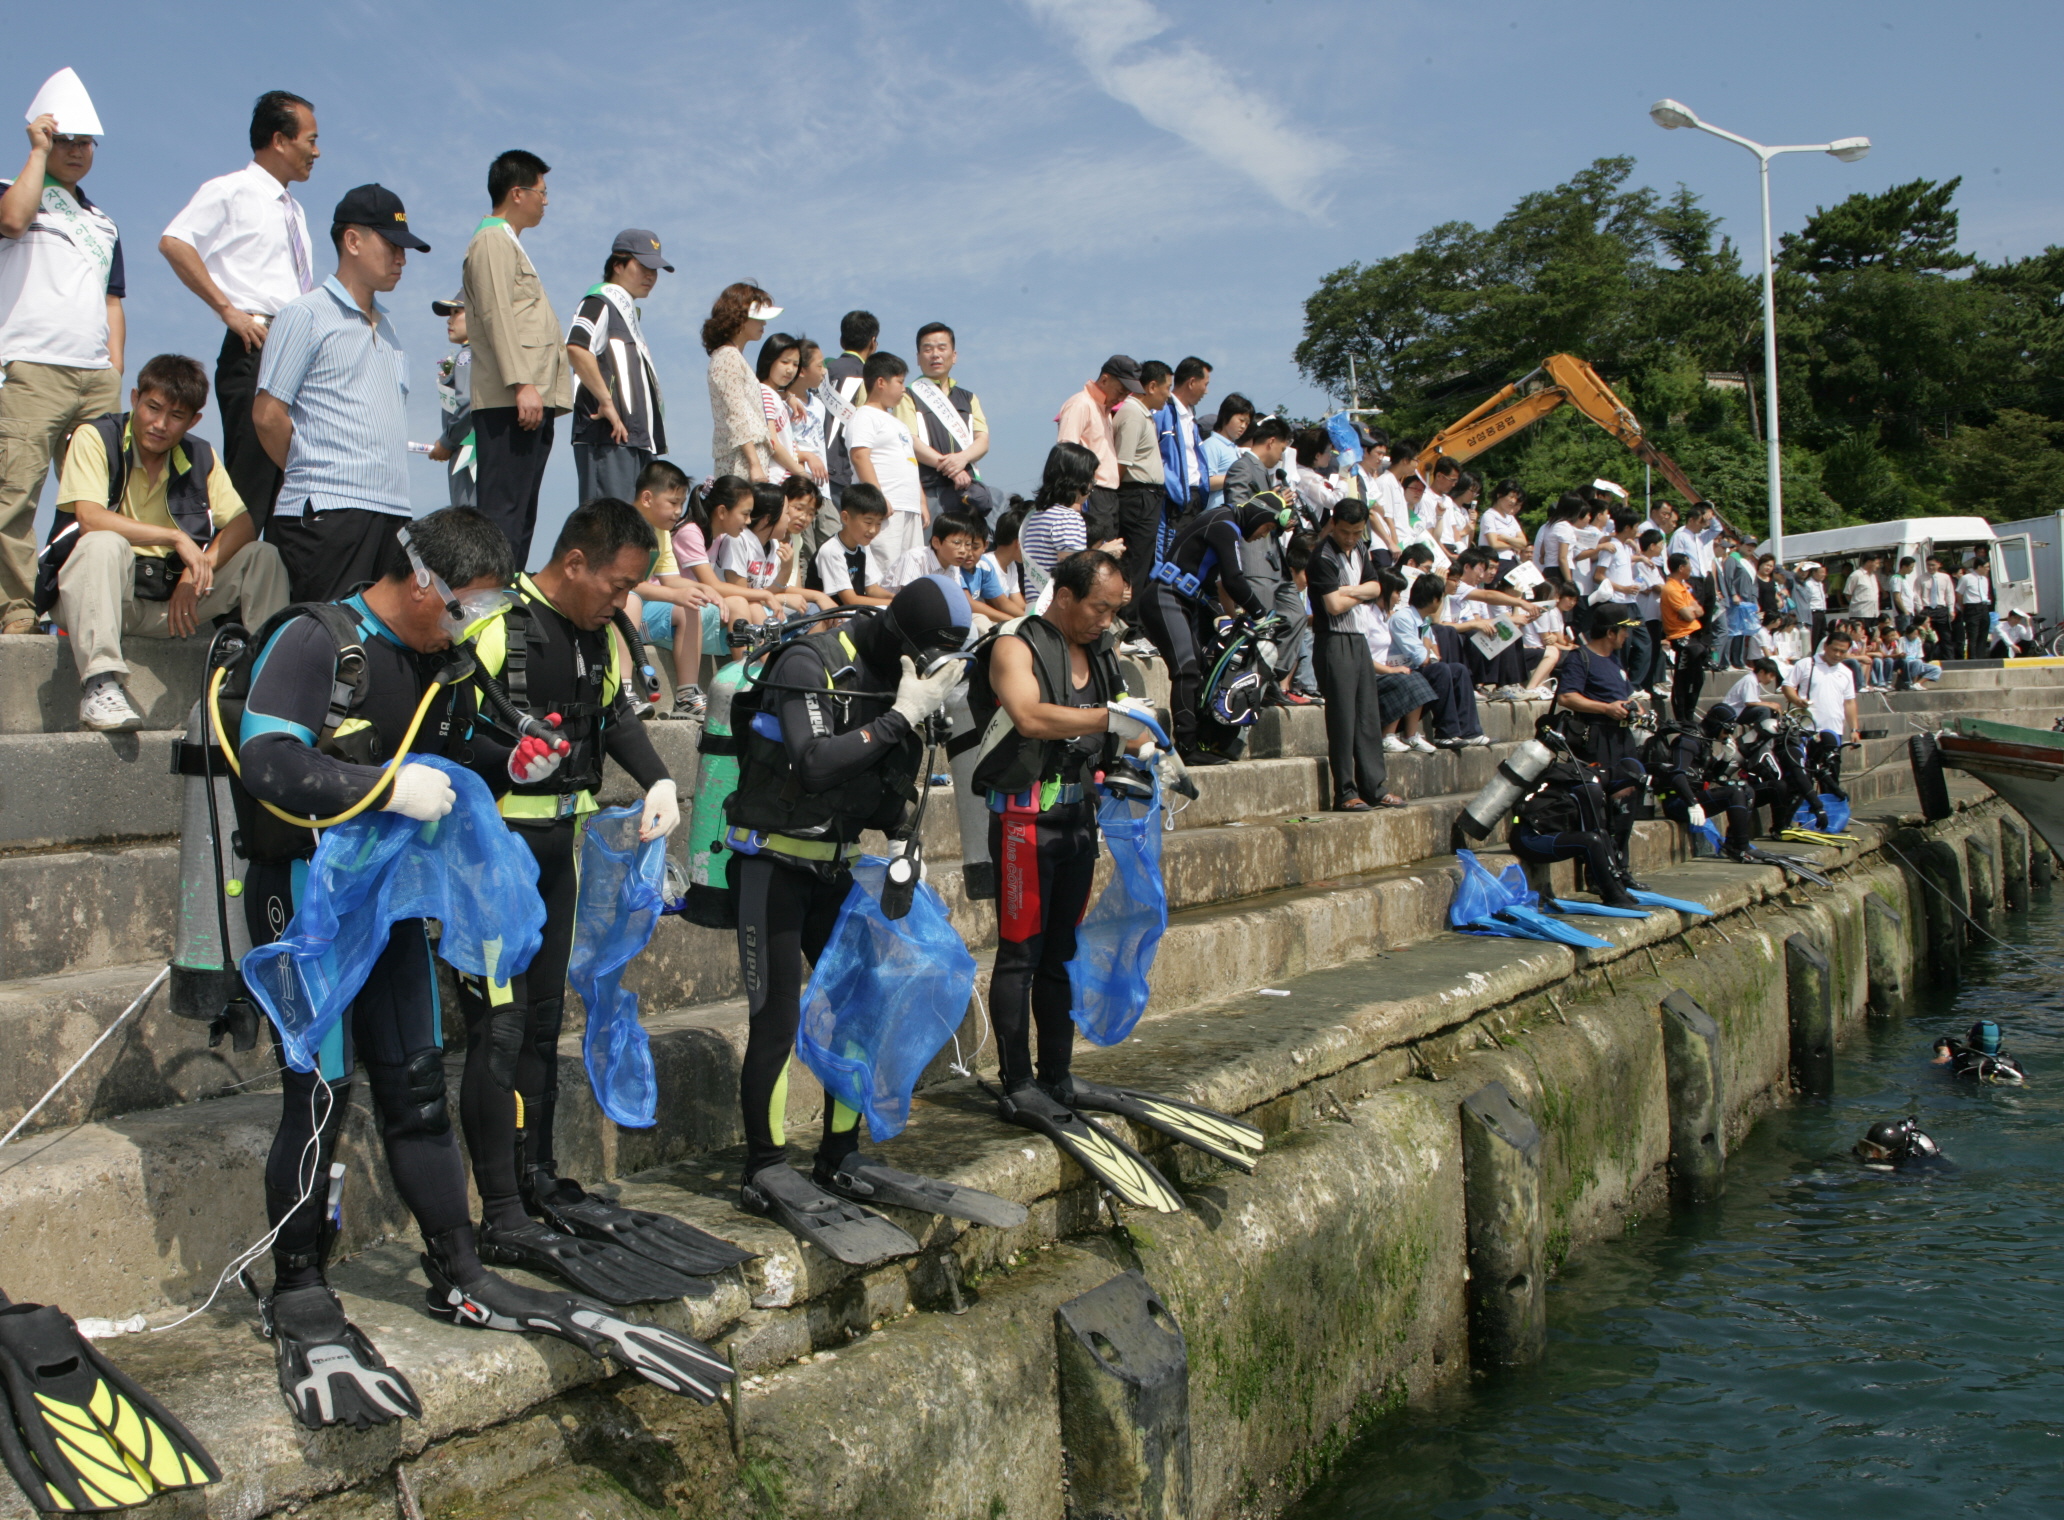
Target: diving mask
[{"x": 464, "y": 611}]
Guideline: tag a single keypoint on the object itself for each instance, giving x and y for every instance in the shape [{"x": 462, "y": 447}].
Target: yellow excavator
[{"x": 1562, "y": 380}]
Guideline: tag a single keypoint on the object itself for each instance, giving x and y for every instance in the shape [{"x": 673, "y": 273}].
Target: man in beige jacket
[{"x": 521, "y": 381}]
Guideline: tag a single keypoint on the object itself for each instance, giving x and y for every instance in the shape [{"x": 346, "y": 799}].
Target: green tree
[{"x": 2011, "y": 468}]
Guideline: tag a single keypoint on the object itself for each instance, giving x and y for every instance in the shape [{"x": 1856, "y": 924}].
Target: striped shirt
[
  {"x": 1051, "y": 535},
  {"x": 606, "y": 325},
  {"x": 345, "y": 383}
]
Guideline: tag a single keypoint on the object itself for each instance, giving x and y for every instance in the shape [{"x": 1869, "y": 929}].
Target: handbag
[{"x": 157, "y": 575}]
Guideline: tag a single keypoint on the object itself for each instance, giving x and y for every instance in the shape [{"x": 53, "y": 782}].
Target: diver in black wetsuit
[
  {"x": 1689, "y": 768},
  {"x": 1898, "y": 1145},
  {"x": 1775, "y": 769},
  {"x": 1978, "y": 1056},
  {"x": 1181, "y": 599}
]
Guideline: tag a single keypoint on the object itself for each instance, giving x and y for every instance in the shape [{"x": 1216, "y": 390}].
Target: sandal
[{"x": 1390, "y": 800}]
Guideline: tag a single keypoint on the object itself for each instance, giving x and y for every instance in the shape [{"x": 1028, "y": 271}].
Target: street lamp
[{"x": 1672, "y": 114}]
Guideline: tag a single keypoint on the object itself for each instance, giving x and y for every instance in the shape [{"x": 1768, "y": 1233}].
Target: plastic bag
[
  {"x": 1117, "y": 938},
  {"x": 466, "y": 870},
  {"x": 1837, "y": 815},
  {"x": 883, "y": 999},
  {"x": 621, "y": 893},
  {"x": 1481, "y": 894}
]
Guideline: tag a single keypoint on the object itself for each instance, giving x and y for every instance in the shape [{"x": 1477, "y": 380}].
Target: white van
[{"x": 1953, "y": 538}]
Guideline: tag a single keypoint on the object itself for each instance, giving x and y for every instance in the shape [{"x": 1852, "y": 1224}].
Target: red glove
[{"x": 533, "y": 760}]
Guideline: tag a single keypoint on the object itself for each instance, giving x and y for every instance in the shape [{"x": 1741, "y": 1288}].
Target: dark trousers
[
  {"x": 1045, "y": 867},
  {"x": 1973, "y": 629},
  {"x": 1100, "y": 514},
  {"x": 1171, "y": 623},
  {"x": 1643, "y": 649},
  {"x": 512, "y": 1040},
  {"x": 1139, "y": 524},
  {"x": 1454, "y": 700},
  {"x": 1689, "y": 684},
  {"x": 785, "y": 913},
  {"x": 1354, "y": 714},
  {"x": 251, "y": 470},
  {"x": 331, "y": 554},
  {"x": 511, "y": 469},
  {"x": 1943, "y": 621}
]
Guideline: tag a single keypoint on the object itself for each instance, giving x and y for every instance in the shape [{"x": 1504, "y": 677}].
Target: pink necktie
[{"x": 304, "y": 273}]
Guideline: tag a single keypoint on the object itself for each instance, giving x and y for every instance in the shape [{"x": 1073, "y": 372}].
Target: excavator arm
[{"x": 1562, "y": 380}]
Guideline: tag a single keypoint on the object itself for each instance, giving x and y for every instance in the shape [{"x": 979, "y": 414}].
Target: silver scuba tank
[
  {"x": 205, "y": 981},
  {"x": 977, "y": 870},
  {"x": 1501, "y": 794}
]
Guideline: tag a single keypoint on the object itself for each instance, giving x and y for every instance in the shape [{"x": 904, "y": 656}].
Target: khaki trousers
[
  {"x": 40, "y": 404},
  {"x": 96, "y": 599}
]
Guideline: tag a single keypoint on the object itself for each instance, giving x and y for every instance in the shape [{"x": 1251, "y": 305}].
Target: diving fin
[
  {"x": 1790, "y": 863},
  {"x": 1233, "y": 1141},
  {"x": 1549, "y": 929},
  {"x": 607, "y": 1272},
  {"x": 1656, "y": 900},
  {"x": 329, "y": 1373},
  {"x": 1797, "y": 835},
  {"x": 841, "y": 1230},
  {"x": 862, "y": 1179},
  {"x": 81, "y": 1434},
  {"x": 1110, "y": 1162},
  {"x": 571, "y": 1210},
  {"x": 677, "y": 1363},
  {"x": 1595, "y": 910}
]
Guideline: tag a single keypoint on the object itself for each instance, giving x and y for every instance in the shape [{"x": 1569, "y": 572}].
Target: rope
[
  {"x": 1943, "y": 893},
  {"x": 120, "y": 1019}
]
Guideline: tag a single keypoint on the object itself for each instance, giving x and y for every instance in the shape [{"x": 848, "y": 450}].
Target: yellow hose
[{"x": 386, "y": 772}]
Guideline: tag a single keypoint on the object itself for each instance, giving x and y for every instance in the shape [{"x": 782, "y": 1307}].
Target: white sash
[
  {"x": 936, "y": 401},
  {"x": 837, "y": 407}
]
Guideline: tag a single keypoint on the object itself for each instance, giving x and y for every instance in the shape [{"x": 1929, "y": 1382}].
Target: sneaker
[
  {"x": 1541, "y": 693},
  {"x": 689, "y": 702},
  {"x": 1476, "y": 741},
  {"x": 1296, "y": 698},
  {"x": 1509, "y": 694},
  {"x": 1196, "y": 757},
  {"x": 1394, "y": 745},
  {"x": 104, "y": 707},
  {"x": 1138, "y": 649},
  {"x": 1418, "y": 742}
]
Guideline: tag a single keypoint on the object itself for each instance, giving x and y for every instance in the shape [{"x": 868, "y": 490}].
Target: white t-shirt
[
  {"x": 1010, "y": 577},
  {"x": 1748, "y": 689},
  {"x": 1648, "y": 575},
  {"x": 742, "y": 553},
  {"x": 1863, "y": 595},
  {"x": 1972, "y": 589},
  {"x": 834, "y": 574},
  {"x": 55, "y": 280},
  {"x": 1825, "y": 688},
  {"x": 1374, "y": 624},
  {"x": 892, "y": 454},
  {"x": 1504, "y": 524},
  {"x": 1903, "y": 595},
  {"x": 1583, "y": 540},
  {"x": 2016, "y": 634},
  {"x": 1763, "y": 645},
  {"x": 1546, "y": 621},
  {"x": 1390, "y": 497},
  {"x": 1551, "y": 547},
  {"x": 1615, "y": 564}
]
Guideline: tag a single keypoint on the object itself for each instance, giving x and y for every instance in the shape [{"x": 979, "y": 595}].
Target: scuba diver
[
  {"x": 1898, "y": 1145},
  {"x": 328, "y": 701},
  {"x": 1978, "y": 1056},
  {"x": 1573, "y": 812},
  {"x": 1690, "y": 766},
  {"x": 834, "y": 740},
  {"x": 1180, "y": 603},
  {"x": 1055, "y": 716},
  {"x": 552, "y": 677},
  {"x": 1772, "y": 764}
]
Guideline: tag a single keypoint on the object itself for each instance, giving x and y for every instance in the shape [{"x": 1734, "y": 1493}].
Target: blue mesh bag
[
  {"x": 1837, "y": 814},
  {"x": 883, "y": 999},
  {"x": 1117, "y": 938},
  {"x": 466, "y": 870},
  {"x": 622, "y": 885}
]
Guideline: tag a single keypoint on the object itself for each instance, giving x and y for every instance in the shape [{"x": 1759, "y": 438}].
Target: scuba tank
[
  {"x": 709, "y": 901},
  {"x": 212, "y": 935},
  {"x": 963, "y": 748},
  {"x": 1502, "y": 793}
]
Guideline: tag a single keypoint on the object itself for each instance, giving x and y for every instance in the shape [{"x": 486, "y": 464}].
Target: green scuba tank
[
  {"x": 212, "y": 935},
  {"x": 709, "y": 900}
]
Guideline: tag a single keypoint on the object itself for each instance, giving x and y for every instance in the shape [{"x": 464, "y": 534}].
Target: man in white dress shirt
[{"x": 241, "y": 245}]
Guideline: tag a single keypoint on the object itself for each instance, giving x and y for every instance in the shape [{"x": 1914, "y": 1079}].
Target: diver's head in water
[
  {"x": 1892, "y": 1143},
  {"x": 1984, "y": 1037}
]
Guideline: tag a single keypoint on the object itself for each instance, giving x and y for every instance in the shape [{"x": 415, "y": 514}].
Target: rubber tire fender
[{"x": 1926, "y": 758}]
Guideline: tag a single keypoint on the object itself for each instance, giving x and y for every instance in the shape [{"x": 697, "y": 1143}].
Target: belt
[
  {"x": 559, "y": 805},
  {"x": 755, "y": 842},
  {"x": 1038, "y": 801},
  {"x": 1181, "y": 580}
]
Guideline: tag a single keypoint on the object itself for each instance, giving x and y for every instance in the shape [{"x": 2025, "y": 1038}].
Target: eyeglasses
[{"x": 74, "y": 140}]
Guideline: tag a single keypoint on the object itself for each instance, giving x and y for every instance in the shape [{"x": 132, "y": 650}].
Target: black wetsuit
[
  {"x": 787, "y": 903},
  {"x": 1568, "y": 816},
  {"x": 512, "y": 1030},
  {"x": 1689, "y": 775},
  {"x": 1182, "y": 598},
  {"x": 395, "y": 1025}
]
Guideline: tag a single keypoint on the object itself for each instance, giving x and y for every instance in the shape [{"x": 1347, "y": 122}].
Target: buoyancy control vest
[
  {"x": 770, "y": 798},
  {"x": 1008, "y": 761},
  {"x": 505, "y": 648}
]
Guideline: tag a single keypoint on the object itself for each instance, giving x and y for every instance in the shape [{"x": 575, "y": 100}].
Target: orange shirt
[
  {"x": 1085, "y": 418},
  {"x": 1680, "y": 611}
]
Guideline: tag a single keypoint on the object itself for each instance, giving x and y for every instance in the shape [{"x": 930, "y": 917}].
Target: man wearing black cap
[
  {"x": 1085, "y": 418},
  {"x": 332, "y": 406},
  {"x": 618, "y": 423},
  {"x": 1590, "y": 684}
]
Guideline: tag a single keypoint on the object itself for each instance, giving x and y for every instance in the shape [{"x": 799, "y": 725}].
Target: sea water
[{"x": 1824, "y": 1341}]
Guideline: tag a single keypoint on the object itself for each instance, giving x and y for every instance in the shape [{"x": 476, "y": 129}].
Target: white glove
[
  {"x": 1173, "y": 772},
  {"x": 421, "y": 792},
  {"x": 1130, "y": 721},
  {"x": 1695, "y": 816},
  {"x": 662, "y": 813},
  {"x": 918, "y": 697}
]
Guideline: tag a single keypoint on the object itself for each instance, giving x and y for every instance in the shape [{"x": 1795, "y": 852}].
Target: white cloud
[{"x": 1181, "y": 89}]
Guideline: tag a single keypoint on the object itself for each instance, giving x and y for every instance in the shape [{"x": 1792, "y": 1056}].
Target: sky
[{"x": 1059, "y": 180}]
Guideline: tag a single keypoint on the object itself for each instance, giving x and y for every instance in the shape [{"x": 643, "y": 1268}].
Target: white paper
[
  {"x": 64, "y": 96},
  {"x": 1493, "y": 644},
  {"x": 1521, "y": 579}
]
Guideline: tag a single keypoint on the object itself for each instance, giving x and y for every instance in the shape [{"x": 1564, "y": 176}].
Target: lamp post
[{"x": 1672, "y": 114}]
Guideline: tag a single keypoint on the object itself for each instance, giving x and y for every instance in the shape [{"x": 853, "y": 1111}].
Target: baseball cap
[
  {"x": 642, "y": 244},
  {"x": 379, "y": 208},
  {"x": 1125, "y": 370},
  {"x": 455, "y": 303},
  {"x": 1609, "y": 615}
]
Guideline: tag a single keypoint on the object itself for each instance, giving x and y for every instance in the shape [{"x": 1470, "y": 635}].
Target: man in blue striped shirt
[{"x": 332, "y": 406}]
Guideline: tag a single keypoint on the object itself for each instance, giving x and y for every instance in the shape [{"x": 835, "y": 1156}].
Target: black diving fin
[
  {"x": 841, "y": 1230},
  {"x": 1233, "y": 1141},
  {"x": 862, "y": 1179},
  {"x": 1791, "y": 863},
  {"x": 571, "y": 1210},
  {"x": 1110, "y": 1162}
]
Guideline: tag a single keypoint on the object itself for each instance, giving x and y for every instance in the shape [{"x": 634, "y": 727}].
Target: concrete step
[
  {"x": 1297, "y": 1065},
  {"x": 39, "y": 684}
]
